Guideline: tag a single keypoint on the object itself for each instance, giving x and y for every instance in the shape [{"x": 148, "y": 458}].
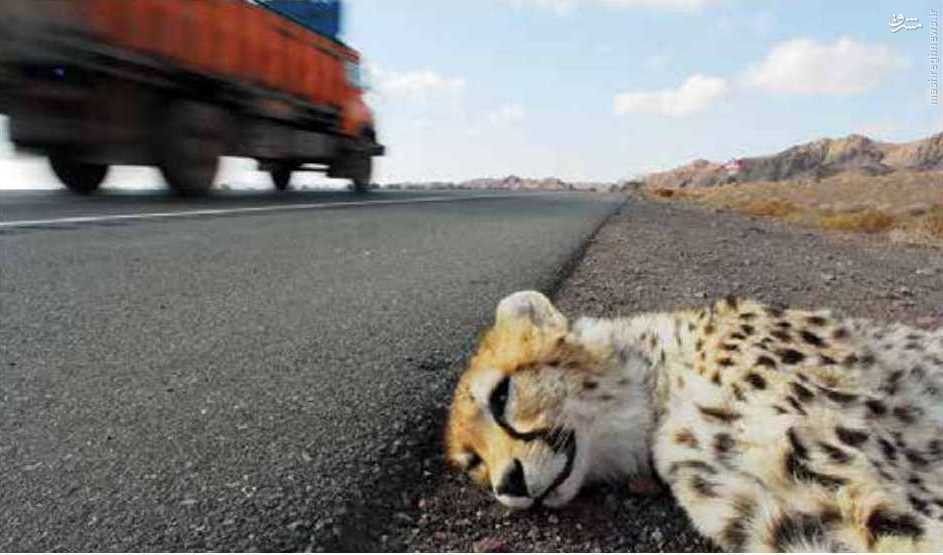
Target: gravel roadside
[{"x": 660, "y": 256}]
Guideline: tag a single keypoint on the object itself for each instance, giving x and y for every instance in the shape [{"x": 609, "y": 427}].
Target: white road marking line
[{"x": 248, "y": 210}]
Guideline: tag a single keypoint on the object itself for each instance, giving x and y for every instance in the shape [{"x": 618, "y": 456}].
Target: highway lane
[
  {"x": 18, "y": 208},
  {"x": 254, "y": 380}
]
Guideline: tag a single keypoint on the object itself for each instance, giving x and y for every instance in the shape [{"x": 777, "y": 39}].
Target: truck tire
[
  {"x": 361, "y": 173},
  {"x": 281, "y": 177},
  {"x": 80, "y": 177},
  {"x": 192, "y": 143}
]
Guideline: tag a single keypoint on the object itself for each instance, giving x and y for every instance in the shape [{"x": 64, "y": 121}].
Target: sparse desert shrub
[
  {"x": 933, "y": 221},
  {"x": 866, "y": 221},
  {"x": 915, "y": 209},
  {"x": 776, "y": 208},
  {"x": 904, "y": 206}
]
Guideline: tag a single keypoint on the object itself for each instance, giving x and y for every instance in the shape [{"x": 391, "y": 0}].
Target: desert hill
[
  {"x": 512, "y": 183},
  {"x": 816, "y": 160}
]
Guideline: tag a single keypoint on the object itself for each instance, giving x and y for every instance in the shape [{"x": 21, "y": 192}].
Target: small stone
[
  {"x": 828, "y": 278},
  {"x": 490, "y": 544},
  {"x": 553, "y": 519}
]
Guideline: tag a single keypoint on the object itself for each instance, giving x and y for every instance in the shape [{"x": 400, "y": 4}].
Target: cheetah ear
[{"x": 532, "y": 306}]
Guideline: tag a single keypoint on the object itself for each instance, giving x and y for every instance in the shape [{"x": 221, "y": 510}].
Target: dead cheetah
[{"x": 776, "y": 429}]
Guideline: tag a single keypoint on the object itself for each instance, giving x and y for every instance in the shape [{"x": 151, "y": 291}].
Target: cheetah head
[{"x": 515, "y": 425}]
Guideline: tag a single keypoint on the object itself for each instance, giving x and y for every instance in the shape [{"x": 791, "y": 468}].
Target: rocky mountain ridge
[
  {"x": 815, "y": 160},
  {"x": 513, "y": 183}
]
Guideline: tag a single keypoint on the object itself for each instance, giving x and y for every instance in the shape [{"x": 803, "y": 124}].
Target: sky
[{"x": 602, "y": 90}]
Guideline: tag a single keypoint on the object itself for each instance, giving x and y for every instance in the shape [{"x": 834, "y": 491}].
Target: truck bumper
[{"x": 368, "y": 148}]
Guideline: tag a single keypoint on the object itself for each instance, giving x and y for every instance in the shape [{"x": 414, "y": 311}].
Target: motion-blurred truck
[{"x": 180, "y": 83}]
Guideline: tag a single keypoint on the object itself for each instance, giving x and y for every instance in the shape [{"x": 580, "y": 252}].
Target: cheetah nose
[{"x": 512, "y": 483}]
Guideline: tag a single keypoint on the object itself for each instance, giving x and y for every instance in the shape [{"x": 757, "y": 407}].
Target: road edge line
[{"x": 79, "y": 220}]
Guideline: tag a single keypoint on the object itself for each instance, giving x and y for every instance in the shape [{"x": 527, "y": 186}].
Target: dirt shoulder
[
  {"x": 659, "y": 256},
  {"x": 902, "y": 207}
]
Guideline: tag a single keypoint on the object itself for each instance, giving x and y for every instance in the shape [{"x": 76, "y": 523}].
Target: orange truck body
[
  {"x": 257, "y": 68},
  {"x": 232, "y": 39}
]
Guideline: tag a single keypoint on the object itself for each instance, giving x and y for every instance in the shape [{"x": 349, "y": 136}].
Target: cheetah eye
[
  {"x": 499, "y": 399},
  {"x": 474, "y": 461}
]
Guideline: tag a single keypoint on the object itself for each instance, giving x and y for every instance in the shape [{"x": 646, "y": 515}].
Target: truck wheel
[
  {"x": 191, "y": 145},
  {"x": 361, "y": 173},
  {"x": 80, "y": 177},
  {"x": 281, "y": 177}
]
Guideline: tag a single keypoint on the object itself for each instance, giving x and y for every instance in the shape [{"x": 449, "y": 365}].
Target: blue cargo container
[{"x": 321, "y": 16}]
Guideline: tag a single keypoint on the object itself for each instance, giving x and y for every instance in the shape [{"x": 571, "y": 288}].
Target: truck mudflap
[{"x": 376, "y": 149}]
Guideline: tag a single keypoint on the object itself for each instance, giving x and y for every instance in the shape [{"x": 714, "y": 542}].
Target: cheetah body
[{"x": 776, "y": 429}]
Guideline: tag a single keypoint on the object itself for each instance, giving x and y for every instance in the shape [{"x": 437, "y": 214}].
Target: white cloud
[
  {"x": 507, "y": 114},
  {"x": 695, "y": 95},
  {"x": 565, "y": 6},
  {"x": 807, "y": 66},
  {"x": 414, "y": 84}
]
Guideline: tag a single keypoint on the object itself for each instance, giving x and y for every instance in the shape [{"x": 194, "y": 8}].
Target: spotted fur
[{"x": 776, "y": 429}]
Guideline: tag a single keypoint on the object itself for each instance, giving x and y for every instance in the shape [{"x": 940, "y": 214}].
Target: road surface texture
[
  {"x": 192, "y": 375},
  {"x": 655, "y": 256}
]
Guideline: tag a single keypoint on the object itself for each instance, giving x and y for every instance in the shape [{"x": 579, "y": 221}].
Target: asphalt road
[{"x": 189, "y": 375}]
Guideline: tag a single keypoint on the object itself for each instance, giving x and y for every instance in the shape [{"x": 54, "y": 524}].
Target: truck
[{"x": 178, "y": 84}]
